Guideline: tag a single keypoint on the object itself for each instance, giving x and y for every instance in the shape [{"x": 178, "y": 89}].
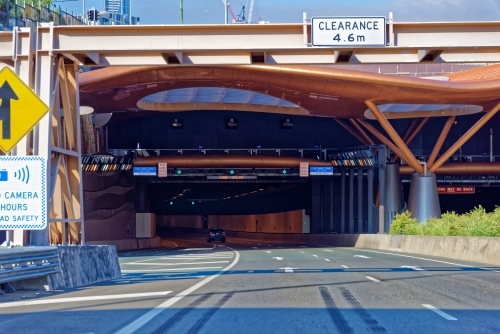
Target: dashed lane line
[
  {"x": 344, "y": 266},
  {"x": 372, "y": 279},
  {"x": 438, "y": 311},
  {"x": 327, "y": 260}
]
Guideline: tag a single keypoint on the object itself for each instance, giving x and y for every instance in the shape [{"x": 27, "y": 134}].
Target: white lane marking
[
  {"x": 412, "y": 267},
  {"x": 278, "y": 258},
  {"x": 82, "y": 299},
  {"x": 327, "y": 260},
  {"x": 255, "y": 247},
  {"x": 327, "y": 250},
  {"x": 413, "y": 257},
  {"x": 288, "y": 269},
  {"x": 268, "y": 251},
  {"x": 302, "y": 252},
  {"x": 438, "y": 311},
  {"x": 172, "y": 264},
  {"x": 344, "y": 266},
  {"x": 141, "y": 321},
  {"x": 362, "y": 256},
  {"x": 193, "y": 249},
  {"x": 372, "y": 279},
  {"x": 315, "y": 255},
  {"x": 176, "y": 269}
]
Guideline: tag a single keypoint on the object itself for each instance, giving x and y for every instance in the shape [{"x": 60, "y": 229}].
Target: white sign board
[
  {"x": 304, "y": 169},
  {"x": 23, "y": 197},
  {"x": 348, "y": 31},
  {"x": 162, "y": 169}
]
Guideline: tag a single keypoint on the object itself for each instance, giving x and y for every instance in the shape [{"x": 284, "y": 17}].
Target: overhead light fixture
[
  {"x": 231, "y": 123},
  {"x": 177, "y": 124}
]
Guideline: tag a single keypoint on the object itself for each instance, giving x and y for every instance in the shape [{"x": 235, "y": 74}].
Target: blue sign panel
[
  {"x": 145, "y": 171},
  {"x": 321, "y": 171}
]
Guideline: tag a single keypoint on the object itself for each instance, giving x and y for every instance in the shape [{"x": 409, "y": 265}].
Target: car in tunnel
[{"x": 216, "y": 234}]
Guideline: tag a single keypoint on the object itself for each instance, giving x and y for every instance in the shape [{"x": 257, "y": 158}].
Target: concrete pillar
[
  {"x": 371, "y": 228},
  {"x": 394, "y": 201},
  {"x": 342, "y": 202},
  {"x": 331, "y": 204},
  {"x": 141, "y": 198},
  {"x": 351, "y": 201},
  {"x": 360, "y": 200},
  {"x": 381, "y": 206},
  {"x": 423, "y": 201}
]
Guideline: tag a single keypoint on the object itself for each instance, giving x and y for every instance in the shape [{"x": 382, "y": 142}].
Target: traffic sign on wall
[
  {"x": 20, "y": 110},
  {"x": 23, "y": 194}
]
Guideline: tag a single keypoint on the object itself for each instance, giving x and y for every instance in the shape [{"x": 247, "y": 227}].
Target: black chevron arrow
[{"x": 6, "y": 94}]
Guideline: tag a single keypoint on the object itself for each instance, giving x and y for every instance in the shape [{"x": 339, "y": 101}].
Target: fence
[{"x": 15, "y": 15}]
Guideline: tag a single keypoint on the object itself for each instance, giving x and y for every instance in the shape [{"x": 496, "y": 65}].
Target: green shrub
[
  {"x": 476, "y": 223},
  {"x": 403, "y": 223}
]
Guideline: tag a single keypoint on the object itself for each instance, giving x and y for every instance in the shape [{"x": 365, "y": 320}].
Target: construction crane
[{"x": 241, "y": 17}]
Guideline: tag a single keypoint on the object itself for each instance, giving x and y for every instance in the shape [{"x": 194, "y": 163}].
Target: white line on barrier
[
  {"x": 172, "y": 264},
  {"x": 438, "y": 311},
  {"x": 82, "y": 299},
  {"x": 138, "y": 323},
  {"x": 154, "y": 270},
  {"x": 372, "y": 279}
]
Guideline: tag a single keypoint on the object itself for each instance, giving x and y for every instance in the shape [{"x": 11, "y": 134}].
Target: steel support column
[
  {"x": 331, "y": 204},
  {"x": 352, "y": 132},
  {"x": 342, "y": 202},
  {"x": 369, "y": 203},
  {"x": 440, "y": 141},
  {"x": 360, "y": 200},
  {"x": 381, "y": 189},
  {"x": 351, "y": 201},
  {"x": 410, "y": 158},
  {"x": 383, "y": 139}
]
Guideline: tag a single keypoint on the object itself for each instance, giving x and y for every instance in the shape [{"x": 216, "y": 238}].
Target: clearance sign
[
  {"x": 456, "y": 190},
  {"x": 348, "y": 31}
]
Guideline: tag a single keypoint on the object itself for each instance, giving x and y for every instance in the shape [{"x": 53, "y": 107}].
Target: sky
[{"x": 290, "y": 11}]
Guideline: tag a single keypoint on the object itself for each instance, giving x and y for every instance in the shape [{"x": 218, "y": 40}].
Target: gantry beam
[{"x": 267, "y": 43}]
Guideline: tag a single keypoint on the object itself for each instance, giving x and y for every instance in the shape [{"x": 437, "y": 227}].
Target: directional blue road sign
[
  {"x": 145, "y": 171},
  {"x": 321, "y": 171}
]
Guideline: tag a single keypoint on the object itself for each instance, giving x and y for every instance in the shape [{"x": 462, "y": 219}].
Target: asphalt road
[{"x": 247, "y": 286}]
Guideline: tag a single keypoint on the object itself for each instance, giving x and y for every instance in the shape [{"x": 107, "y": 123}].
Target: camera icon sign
[{"x": 4, "y": 175}]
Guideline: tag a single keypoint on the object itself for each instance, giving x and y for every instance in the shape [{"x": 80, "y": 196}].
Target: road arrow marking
[
  {"x": 288, "y": 269},
  {"x": 412, "y": 267},
  {"x": 364, "y": 257},
  {"x": 278, "y": 258}
]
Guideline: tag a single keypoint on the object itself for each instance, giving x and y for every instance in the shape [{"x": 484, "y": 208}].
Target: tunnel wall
[
  {"x": 282, "y": 222},
  {"x": 109, "y": 205},
  {"x": 179, "y": 221}
]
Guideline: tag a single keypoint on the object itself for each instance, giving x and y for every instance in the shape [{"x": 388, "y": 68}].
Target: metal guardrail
[{"x": 19, "y": 264}]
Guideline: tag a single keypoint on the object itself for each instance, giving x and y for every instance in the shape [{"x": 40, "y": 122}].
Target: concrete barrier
[
  {"x": 78, "y": 266},
  {"x": 475, "y": 249},
  {"x": 130, "y": 244}
]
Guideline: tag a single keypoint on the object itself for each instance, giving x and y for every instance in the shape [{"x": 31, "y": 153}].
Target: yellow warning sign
[{"x": 20, "y": 109}]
